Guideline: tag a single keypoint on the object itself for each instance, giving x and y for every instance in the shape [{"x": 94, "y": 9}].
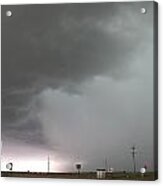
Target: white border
[
  {"x": 58, "y": 1},
  {"x": 66, "y": 182}
]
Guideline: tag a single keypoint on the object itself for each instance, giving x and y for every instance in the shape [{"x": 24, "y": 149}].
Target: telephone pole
[
  {"x": 106, "y": 164},
  {"x": 48, "y": 164},
  {"x": 133, "y": 152}
]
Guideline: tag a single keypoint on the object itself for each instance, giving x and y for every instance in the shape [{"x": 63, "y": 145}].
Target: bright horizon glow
[
  {"x": 34, "y": 165},
  {"x": 32, "y": 159}
]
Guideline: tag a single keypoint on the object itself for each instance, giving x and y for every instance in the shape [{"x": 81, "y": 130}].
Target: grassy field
[{"x": 149, "y": 176}]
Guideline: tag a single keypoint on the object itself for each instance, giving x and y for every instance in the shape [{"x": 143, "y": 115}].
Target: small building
[{"x": 100, "y": 173}]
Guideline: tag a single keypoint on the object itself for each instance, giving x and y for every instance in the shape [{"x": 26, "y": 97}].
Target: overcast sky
[{"x": 77, "y": 84}]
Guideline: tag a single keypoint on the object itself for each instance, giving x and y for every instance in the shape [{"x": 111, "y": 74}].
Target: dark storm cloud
[
  {"x": 67, "y": 42},
  {"x": 62, "y": 46}
]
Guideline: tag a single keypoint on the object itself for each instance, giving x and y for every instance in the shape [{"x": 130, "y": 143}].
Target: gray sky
[{"x": 77, "y": 82}]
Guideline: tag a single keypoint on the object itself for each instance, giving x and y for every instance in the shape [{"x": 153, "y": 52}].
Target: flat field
[{"x": 149, "y": 176}]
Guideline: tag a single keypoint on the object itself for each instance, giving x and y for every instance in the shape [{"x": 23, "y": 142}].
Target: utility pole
[
  {"x": 106, "y": 164},
  {"x": 133, "y": 152},
  {"x": 48, "y": 164}
]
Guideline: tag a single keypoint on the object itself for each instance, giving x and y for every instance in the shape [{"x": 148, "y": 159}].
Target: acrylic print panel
[{"x": 79, "y": 91}]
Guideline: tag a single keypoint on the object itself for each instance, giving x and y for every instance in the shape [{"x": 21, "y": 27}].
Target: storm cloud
[{"x": 77, "y": 79}]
